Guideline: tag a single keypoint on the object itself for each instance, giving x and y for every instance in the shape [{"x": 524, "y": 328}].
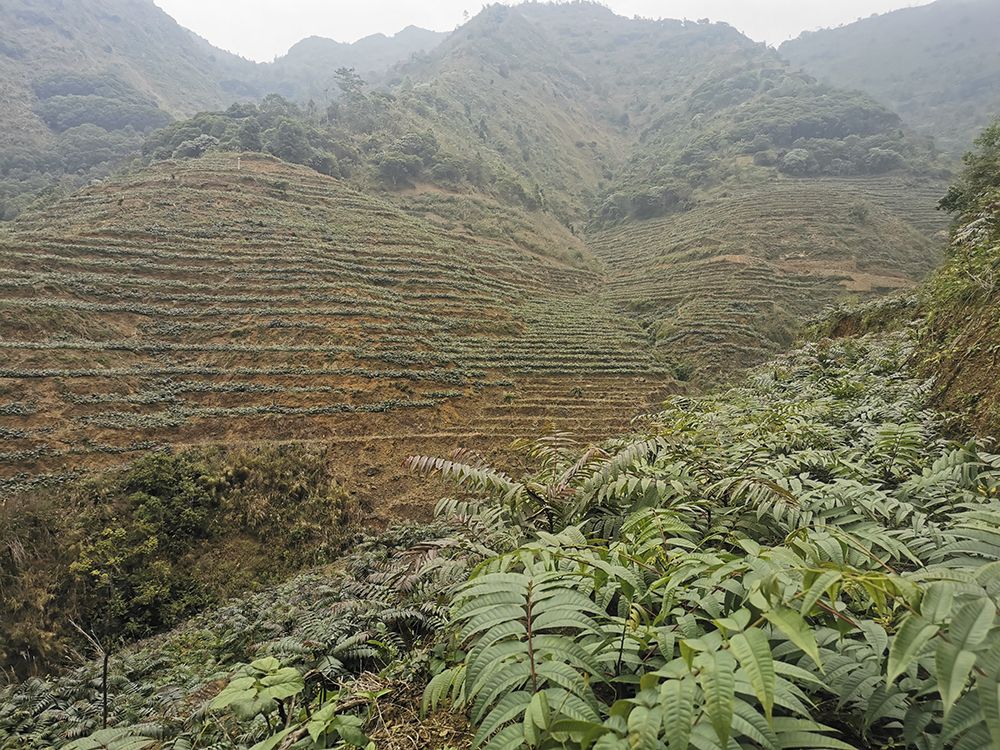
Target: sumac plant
[
  {"x": 797, "y": 563},
  {"x": 804, "y": 561}
]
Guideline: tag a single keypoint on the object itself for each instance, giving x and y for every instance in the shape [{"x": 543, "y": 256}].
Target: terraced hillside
[
  {"x": 239, "y": 298},
  {"x": 674, "y": 142},
  {"x": 726, "y": 284},
  {"x": 570, "y": 204}
]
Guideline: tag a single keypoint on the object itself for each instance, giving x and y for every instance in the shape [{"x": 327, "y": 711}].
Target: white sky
[{"x": 263, "y": 29}]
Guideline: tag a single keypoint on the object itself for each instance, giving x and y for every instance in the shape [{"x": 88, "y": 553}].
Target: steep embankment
[
  {"x": 961, "y": 339},
  {"x": 239, "y": 298}
]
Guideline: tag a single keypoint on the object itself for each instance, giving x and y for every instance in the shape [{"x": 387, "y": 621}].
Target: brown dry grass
[{"x": 396, "y": 722}]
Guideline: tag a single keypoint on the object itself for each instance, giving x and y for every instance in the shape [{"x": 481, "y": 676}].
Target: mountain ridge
[
  {"x": 113, "y": 70},
  {"x": 935, "y": 64}
]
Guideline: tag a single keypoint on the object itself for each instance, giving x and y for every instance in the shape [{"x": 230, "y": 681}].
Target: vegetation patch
[
  {"x": 138, "y": 550},
  {"x": 960, "y": 342},
  {"x": 801, "y": 560}
]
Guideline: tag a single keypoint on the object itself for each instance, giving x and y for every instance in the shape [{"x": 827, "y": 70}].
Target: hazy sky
[{"x": 262, "y": 29}]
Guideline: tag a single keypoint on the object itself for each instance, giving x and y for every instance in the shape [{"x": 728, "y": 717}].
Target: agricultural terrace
[
  {"x": 215, "y": 300},
  {"x": 724, "y": 285}
]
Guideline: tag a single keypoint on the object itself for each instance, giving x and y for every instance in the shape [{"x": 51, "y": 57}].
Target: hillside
[
  {"x": 937, "y": 65},
  {"x": 536, "y": 206},
  {"x": 806, "y": 559},
  {"x": 82, "y": 82},
  {"x": 727, "y": 284},
  {"x": 241, "y": 298},
  {"x": 710, "y": 153}
]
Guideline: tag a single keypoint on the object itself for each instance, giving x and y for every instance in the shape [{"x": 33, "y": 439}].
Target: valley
[
  {"x": 507, "y": 217},
  {"x": 565, "y": 381}
]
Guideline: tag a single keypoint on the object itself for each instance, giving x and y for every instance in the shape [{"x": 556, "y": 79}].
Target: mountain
[
  {"x": 82, "y": 82},
  {"x": 240, "y": 370},
  {"x": 711, "y": 155},
  {"x": 239, "y": 300},
  {"x": 552, "y": 198},
  {"x": 937, "y": 65},
  {"x": 549, "y": 223},
  {"x": 64, "y": 49},
  {"x": 306, "y": 70},
  {"x": 620, "y": 583}
]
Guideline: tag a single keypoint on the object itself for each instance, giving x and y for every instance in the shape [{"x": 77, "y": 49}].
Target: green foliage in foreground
[
  {"x": 799, "y": 562},
  {"x": 802, "y": 562}
]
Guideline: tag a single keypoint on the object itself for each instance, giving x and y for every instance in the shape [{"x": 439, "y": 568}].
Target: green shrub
[{"x": 136, "y": 551}]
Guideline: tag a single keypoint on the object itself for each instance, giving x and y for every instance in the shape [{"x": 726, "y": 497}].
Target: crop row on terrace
[
  {"x": 914, "y": 199},
  {"x": 196, "y": 303},
  {"x": 723, "y": 285}
]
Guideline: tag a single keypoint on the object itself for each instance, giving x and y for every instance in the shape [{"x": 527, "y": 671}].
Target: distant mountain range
[
  {"x": 306, "y": 71},
  {"x": 937, "y": 65},
  {"x": 127, "y": 67}
]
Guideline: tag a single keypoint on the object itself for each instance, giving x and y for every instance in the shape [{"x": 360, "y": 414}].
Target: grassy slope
[
  {"x": 193, "y": 303},
  {"x": 937, "y": 65},
  {"x": 727, "y": 283}
]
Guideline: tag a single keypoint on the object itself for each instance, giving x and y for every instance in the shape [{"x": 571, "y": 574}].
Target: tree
[
  {"x": 349, "y": 82},
  {"x": 422, "y": 145},
  {"x": 798, "y": 162},
  {"x": 982, "y": 172},
  {"x": 289, "y": 141},
  {"x": 883, "y": 160},
  {"x": 195, "y": 147},
  {"x": 248, "y": 137},
  {"x": 275, "y": 107},
  {"x": 396, "y": 167}
]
